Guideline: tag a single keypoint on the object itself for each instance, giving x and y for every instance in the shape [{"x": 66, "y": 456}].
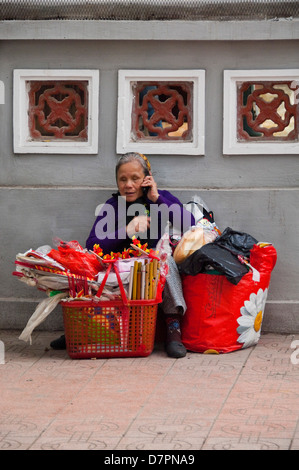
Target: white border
[
  {"x": 22, "y": 141},
  {"x": 125, "y": 144},
  {"x": 230, "y": 144}
]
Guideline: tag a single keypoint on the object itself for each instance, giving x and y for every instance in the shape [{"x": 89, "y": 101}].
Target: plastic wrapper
[
  {"x": 45, "y": 282},
  {"x": 164, "y": 251},
  {"x": 44, "y": 308},
  {"x": 75, "y": 259},
  {"x": 204, "y": 231},
  {"x": 193, "y": 240},
  {"x": 39, "y": 257},
  {"x": 222, "y": 317},
  {"x": 198, "y": 208}
]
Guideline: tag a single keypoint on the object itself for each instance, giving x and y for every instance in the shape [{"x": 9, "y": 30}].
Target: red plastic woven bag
[{"x": 222, "y": 317}]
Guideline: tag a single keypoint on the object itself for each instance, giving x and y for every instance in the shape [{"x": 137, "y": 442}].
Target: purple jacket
[{"x": 109, "y": 229}]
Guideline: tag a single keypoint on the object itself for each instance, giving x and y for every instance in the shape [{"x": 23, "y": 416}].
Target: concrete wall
[{"x": 42, "y": 196}]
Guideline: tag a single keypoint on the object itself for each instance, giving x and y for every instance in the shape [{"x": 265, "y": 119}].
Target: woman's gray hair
[{"x": 131, "y": 156}]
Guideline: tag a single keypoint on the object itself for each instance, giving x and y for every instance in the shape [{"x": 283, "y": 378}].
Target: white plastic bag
[
  {"x": 196, "y": 206},
  {"x": 164, "y": 252},
  {"x": 44, "y": 308}
]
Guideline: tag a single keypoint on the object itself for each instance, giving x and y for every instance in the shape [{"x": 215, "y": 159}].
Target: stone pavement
[{"x": 248, "y": 399}]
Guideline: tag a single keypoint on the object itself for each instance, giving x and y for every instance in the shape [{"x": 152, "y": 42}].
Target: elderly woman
[{"x": 140, "y": 209}]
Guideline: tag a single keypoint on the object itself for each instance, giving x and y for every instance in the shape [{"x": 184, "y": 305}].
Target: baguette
[{"x": 191, "y": 241}]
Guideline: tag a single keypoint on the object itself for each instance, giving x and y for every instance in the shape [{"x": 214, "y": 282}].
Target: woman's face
[{"x": 129, "y": 178}]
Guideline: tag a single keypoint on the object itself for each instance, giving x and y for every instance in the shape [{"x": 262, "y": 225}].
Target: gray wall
[{"x": 55, "y": 195}]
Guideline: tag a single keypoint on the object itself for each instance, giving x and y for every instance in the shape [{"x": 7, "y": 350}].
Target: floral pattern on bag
[{"x": 250, "y": 322}]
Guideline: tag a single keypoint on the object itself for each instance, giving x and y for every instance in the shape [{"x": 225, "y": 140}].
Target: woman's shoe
[
  {"x": 174, "y": 345},
  {"x": 176, "y": 349},
  {"x": 58, "y": 343}
]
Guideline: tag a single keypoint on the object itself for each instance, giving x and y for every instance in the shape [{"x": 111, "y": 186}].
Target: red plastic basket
[
  {"x": 102, "y": 329},
  {"x": 109, "y": 329}
]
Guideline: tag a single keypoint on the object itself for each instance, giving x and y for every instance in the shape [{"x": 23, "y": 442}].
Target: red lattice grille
[
  {"x": 58, "y": 110},
  {"x": 267, "y": 111},
  {"x": 162, "y": 111}
]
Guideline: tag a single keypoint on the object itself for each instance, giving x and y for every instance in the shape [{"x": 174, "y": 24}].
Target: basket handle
[
  {"x": 100, "y": 290},
  {"x": 121, "y": 287}
]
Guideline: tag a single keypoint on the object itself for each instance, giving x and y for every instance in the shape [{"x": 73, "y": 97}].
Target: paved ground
[{"x": 247, "y": 399}]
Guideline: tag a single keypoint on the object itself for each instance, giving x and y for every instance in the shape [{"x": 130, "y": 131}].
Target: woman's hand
[
  {"x": 150, "y": 183},
  {"x": 138, "y": 225}
]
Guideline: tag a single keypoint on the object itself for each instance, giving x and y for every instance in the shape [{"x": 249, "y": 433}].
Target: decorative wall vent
[
  {"x": 56, "y": 111},
  {"x": 161, "y": 112},
  {"x": 261, "y": 112}
]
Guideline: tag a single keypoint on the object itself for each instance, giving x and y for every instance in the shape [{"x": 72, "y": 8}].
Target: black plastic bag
[
  {"x": 217, "y": 257},
  {"x": 239, "y": 243}
]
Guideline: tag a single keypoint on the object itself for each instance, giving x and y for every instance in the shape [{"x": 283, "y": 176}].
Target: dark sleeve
[{"x": 106, "y": 231}]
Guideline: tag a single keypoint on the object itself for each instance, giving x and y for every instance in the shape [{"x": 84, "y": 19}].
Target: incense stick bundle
[
  {"x": 142, "y": 281},
  {"x": 130, "y": 293},
  {"x": 146, "y": 281},
  {"x": 134, "y": 292},
  {"x": 150, "y": 281},
  {"x": 138, "y": 290}
]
